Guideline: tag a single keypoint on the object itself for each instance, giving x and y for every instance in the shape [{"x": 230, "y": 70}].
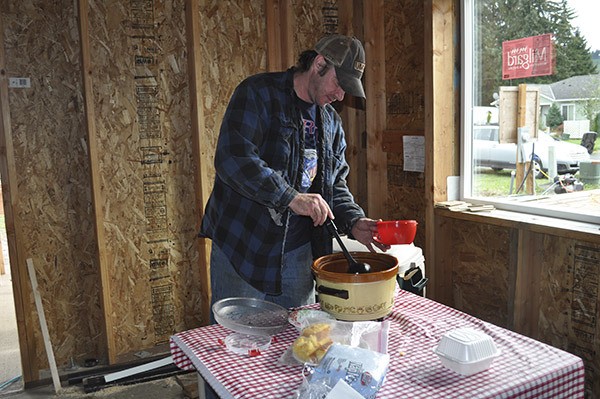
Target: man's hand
[
  {"x": 364, "y": 230},
  {"x": 312, "y": 205}
]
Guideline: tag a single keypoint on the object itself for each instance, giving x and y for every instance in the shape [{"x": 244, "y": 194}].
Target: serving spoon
[{"x": 354, "y": 267}]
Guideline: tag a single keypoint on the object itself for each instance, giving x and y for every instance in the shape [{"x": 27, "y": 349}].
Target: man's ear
[{"x": 320, "y": 63}]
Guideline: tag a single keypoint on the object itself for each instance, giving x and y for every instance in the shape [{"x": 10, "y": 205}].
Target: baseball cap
[{"x": 348, "y": 56}]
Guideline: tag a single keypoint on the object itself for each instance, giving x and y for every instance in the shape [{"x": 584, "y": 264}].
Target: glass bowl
[{"x": 250, "y": 316}]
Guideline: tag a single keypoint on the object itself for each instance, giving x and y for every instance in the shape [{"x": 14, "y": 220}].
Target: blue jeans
[
  {"x": 297, "y": 283},
  {"x": 298, "y": 286}
]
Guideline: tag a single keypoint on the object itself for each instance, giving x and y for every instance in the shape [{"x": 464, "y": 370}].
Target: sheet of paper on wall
[{"x": 414, "y": 153}]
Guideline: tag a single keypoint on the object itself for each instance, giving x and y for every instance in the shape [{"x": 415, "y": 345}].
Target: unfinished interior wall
[
  {"x": 308, "y": 23},
  {"x": 49, "y": 210},
  {"x": 569, "y": 290},
  {"x": 127, "y": 286},
  {"x": 233, "y": 42},
  {"x": 143, "y": 136},
  {"x": 551, "y": 293},
  {"x": 404, "y": 44},
  {"x": 480, "y": 274},
  {"x": 346, "y": 17}
]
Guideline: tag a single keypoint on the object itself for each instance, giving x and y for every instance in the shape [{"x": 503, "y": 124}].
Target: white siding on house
[{"x": 576, "y": 129}]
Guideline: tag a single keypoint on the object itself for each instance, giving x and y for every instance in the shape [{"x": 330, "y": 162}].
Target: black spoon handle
[
  {"x": 353, "y": 266},
  {"x": 334, "y": 231}
]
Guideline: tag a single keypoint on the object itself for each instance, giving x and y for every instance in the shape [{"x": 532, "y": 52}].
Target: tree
[
  {"x": 504, "y": 20},
  {"x": 576, "y": 58},
  {"x": 592, "y": 104},
  {"x": 554, "y": 117},
  {"x": 595, "y": 125}
]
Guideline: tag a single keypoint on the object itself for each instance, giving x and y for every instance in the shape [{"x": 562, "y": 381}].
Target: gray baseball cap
[{"x": 348, "y": 56}]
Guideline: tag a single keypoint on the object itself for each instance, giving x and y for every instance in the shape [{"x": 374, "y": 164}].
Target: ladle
[{"x": 354, "y": 267}]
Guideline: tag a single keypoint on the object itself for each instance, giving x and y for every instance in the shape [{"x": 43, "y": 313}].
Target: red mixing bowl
[{"x": 393, "y": 232}]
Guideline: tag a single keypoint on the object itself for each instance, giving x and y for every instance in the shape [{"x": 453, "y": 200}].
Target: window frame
[
  {"x": 466, "y": 117},
  {"x": 567, "y": 111}
]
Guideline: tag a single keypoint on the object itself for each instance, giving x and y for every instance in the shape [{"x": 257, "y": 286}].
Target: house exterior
[{"x": 577, "y": 97}]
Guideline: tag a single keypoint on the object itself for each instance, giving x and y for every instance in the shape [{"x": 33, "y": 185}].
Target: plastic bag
[
  {"x": 370, "y": 335},
  {"x": 362, "y": 369},
  {"x": 302, "y": 318}
]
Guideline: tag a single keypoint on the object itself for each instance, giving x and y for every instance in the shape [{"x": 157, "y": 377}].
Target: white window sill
[{"x": 518, "y": 220}]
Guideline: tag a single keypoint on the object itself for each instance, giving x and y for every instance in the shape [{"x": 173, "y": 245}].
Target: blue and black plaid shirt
[{"x": 257, "y": 165}]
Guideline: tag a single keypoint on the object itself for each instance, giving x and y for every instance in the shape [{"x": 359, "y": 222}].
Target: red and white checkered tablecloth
[{"x": 525, "y": 368}]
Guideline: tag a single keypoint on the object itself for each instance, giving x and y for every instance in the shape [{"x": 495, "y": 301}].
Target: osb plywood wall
[
  {"x": 141, "y": 111},
  {"x": 52, "y": 211},
  {"x": 309, "y": 28},
  {"x": 143, "y": 134},
  {"x": 404, "y": 68},
  {"x": 569, "y": 290},
  {"x": 565, "y": 287},
  {"x": 481, "y": 270},
  {"x": 233, "y": 46}
]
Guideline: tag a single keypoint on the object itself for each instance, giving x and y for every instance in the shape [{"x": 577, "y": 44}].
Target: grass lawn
[
  {"x": 490, "y": 183},
  {"x": 578, "y": 141}
]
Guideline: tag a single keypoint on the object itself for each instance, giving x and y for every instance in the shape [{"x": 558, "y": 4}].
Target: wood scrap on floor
[
  {"x": 189, "y": 384},
  {"x": 44, "y": 326},
  {"x": 146, "y": 372}
]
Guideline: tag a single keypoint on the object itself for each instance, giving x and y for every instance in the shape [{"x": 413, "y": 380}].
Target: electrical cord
[
  {"x": 528, "y": 169},
  {"x": 9, "y": 382},
  {"x": 545, "y": 174}
]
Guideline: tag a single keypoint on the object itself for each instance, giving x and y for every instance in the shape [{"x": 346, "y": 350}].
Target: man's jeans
[
  {"x": 297, "y": 284},
  {"x": 297, "y": 279}
]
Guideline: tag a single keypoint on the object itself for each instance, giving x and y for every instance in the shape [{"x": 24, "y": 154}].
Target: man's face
[{"x": 324, "y": 87}]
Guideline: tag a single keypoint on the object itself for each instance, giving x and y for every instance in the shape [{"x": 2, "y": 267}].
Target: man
[{"x": 280, "y": 174}]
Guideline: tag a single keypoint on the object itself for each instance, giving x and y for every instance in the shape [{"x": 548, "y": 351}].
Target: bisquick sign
[{"x": 530, "y": 56}]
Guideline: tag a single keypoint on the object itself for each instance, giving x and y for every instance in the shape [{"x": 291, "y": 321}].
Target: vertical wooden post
[
  {"x": 522, "y": 164},
  {"x": 97, "y": 200},
  {"x": 10, "y": 198},
  {"x": 527, "y": 283},
  {"x": 350, "y": 22},
  {"x": 200, "y": 145},
  {"x": 441, "y": 135},
  {"x": 2, "y": 266},
  {"x": 441, "y": 287},
  {"x": 273, "y": 37},
  {"x": 376, "y": 108},
  {"x": 280, "y": 38}
]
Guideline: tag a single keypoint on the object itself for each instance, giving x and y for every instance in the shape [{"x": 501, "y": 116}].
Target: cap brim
[{"x": 350, "y": 84}]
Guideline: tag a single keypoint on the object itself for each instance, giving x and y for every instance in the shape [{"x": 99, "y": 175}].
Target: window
[
  {"x": 568, "y": 112},
  {"x": 498, "y": 157}
]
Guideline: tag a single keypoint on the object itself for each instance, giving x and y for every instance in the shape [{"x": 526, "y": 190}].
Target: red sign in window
[{"x": 530, "y": 56}]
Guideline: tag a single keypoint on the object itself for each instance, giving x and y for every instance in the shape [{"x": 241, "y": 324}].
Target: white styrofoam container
[{"x": 466, "y": 350}]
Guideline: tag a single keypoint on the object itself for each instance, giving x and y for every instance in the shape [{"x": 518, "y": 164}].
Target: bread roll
[{"x": 312, "y": 344}]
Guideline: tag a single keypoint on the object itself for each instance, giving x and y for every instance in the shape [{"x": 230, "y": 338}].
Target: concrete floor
[
  {"x": 10, "y": 360},
  {"x": 168, "y": 388}
]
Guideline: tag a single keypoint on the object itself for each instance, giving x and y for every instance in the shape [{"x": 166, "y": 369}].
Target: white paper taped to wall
[{"x": 414, "y": 153}]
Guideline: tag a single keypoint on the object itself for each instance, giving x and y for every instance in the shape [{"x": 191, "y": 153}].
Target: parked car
[{"x": 489, "y": 152}]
